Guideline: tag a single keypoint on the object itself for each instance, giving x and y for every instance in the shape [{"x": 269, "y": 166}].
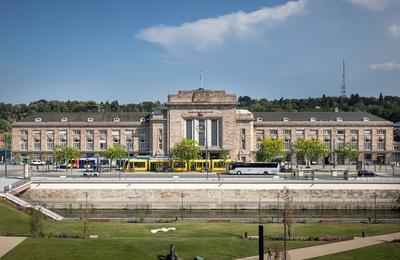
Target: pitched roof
[
  {"x": 318, "y": 116},
  {"x": 83, "y": 116}
]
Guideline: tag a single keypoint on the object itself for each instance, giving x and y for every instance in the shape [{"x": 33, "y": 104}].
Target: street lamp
[
  {"x": 182, "y": 206},
  {"x": 375, "y": 195},
  {"x": 278, "y": 196}
]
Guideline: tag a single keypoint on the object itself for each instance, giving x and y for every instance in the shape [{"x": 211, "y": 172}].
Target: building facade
[{"x": 212, "y": 119}]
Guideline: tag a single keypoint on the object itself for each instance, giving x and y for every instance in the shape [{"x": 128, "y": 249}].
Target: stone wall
[{"x": 164, "y": 196}]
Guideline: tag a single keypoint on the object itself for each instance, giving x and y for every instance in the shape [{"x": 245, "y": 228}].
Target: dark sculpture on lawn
[{"x": 172, "y": 255}]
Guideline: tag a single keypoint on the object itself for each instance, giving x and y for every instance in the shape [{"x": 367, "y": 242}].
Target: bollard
[
  {"x": 260, "y": 242},
  {"x": 245, "y": 235},
  {"x": 363, "y": 234}
]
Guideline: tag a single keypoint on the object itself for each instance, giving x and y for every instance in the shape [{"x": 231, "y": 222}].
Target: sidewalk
[
  {"x": 8, "y": 243},
  {"x": 333, "y": 248}
]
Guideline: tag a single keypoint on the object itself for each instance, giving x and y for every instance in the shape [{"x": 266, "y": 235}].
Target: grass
[
  {"x": 135, "y": 241},
  {"x": 381, "y": 251}
]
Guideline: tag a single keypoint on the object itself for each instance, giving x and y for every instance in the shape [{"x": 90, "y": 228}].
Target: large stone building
[{"x": 207, "y": 116}]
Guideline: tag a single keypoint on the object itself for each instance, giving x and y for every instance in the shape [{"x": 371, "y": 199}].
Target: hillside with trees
[{"x": 387, "y": 107}]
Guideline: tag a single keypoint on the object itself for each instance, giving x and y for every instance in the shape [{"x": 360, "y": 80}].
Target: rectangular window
[
  {"x": 36, "y": 132},
  {"x": 77, "y": 143},
  {"x": 76, "y": 132},
  {"x": 50, "y": 144},
  {"x": 367, "y": 132},
  {"x": 24, "y": 132},
  {"x": 313, "y": 133},
  {"x": 353, "y": 132},
  {"x": 89, "y": 132},
  {"x": 287, "y": 144},
  {"x": 160, "y": 138},
  {"x": 24, "y": 145},
  {"x": 380, "y": 132},
  {"x": 273, "y": 132},
  {"x": 340, "y": 132},
  {"x": 89, "y": 144},
  {"x": 63, "y": 141},
  {"x": 287, "y": 132},
  {"x": 381, "y": 144},
  {"x": 129, "y": 133},
  {"x": 103, "y": 144},
  {"x": 142, "y": 145},
  {"x": 202, "y": 132},
  {"x": 129, "y": 144},
  {"x": 327, "y": 143},
  {"x": 367, "y": 144},
  {"x": 243, "y": 139},
  {"x": 103, "y": 133},
  {"x": 327, "y": 132},
  {"x": 36, "y": 144},
  {"x": 300, "y": 133},
  {"x": 189, "y": 129},
  {"x": 258, "y": 145},
  {"x": 214, "y": 132},
  {"x": 115, "y": 132},
  {"x": 339, "y": 144},
  {"x": 142, "y": 131},
  {"x": 354, "y": 143}
]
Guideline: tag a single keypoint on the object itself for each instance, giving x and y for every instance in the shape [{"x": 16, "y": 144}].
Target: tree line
[{"x": 387, "y": 107}]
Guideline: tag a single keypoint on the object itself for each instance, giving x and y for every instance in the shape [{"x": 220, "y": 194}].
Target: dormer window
[
  {"x": 64, "y": 119},
  {"x": 142, "y": 119},
  {"x": 285, "y": 119},
  {"x": 259, "y": 119},
  {"x": 312, "y": 119},
  {"x": 339, "y": 119},
  {"x": 365, "y": 119},
  {"x": 38, "y": 119},
  {"x": 116, "y": 119},
  {"x": 90, "y": 119}
]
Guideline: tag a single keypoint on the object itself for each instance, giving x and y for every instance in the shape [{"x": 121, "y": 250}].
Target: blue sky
[{"x": 134, "y": 51}]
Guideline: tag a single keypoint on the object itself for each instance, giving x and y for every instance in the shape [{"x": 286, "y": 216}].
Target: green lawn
[
  {"x": 134, "y": 240},
  {"x": 385, "y": 251}
]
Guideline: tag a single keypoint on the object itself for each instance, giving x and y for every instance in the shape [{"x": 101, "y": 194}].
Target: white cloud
[
  {"x": 395, "y": 31},
  {"x": 385, "y": 66},
  {"x": 211, "y": 32},
  {"x": 374, "y": 4}
]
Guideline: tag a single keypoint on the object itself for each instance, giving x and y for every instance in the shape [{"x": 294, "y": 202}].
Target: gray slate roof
[
  {"x": 319, "y": 116},
  {"x": 83, "y": 116}
]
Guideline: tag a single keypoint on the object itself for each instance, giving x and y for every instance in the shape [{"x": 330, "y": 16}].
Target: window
[
  {"x": 36, "y": 144},
  {"x": 380, "y": 132},
  {"x": 339, "y": 144},
  {"x": 340, "y": 132},
  {"x": 76, "y": 132},
  {"x": 365, "y": 119},
  {"x": 36, "y": 132},
  {"x": 367, "y": 144},
  {"x": 354, "y": 143},
  {"x": 50, "y": 158},
  {"x": 259, "y": 135},
  {"x": 24, "y": 132},
  {"x": 258, "y": 145},
  {"x": 77, "y": 143},
  {"x": 142, "y": 119},
  {"x": 116, "y": 140},
  {"x": 142, "y": 145},
  {"x": 189, "y": 129},
  {"x": 63, "y": 141},
  {"x": 89, "y": 144},
  {"x": 214, "y": 132},
  {"x": 339, "y": 119},
  {"x": 287, "y": 144},
  {"x": 273, "y": 132},
  {"x": 142, "y": 131},
  {"x": 300, "y": 133},
  {"x": 259, "y": 119},
  {"x": 243, "y": 138},
  {"x": 381, "y": 144},
  {"x": 353, "y": 132},
  {"x": 38, "y": 119},
  {"x": 129, "y": 133},
  {"x": 89, "y": 132},
  {"x": 202, "y": 132},
  {"x": 103, "y": 144},
  {"x": 50, "y": 132},
  {"x": 327, "y": 143},
  {"x": 90, "y": 119},
  {"x": 312, "y": 119},
  {"x": 129, "y": 144},
  {"x": 287, "y": 132},
  {"x": 160, "y": 138},
  {"x": 64, "y": 119},
  {"x": 313, "y": 132},
  {"x": 115, "y": 133},
  {"x": 50, "y": 144},
  {"x": 116, "y": 119},
  {"x": 24, "y": 145},
  {"x": 367, "y": 132},
  {"x": 285, "y": 119}
]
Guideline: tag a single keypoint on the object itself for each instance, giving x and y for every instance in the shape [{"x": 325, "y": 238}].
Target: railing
[{"x": 16, "y": 184}]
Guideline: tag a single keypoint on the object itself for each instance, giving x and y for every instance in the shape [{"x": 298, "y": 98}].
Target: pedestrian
[
  {"x": 219, "y": 176},
  {"x": 269, "y": 254}
]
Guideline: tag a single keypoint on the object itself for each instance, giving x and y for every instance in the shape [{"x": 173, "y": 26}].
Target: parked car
[
  {"x": 37, "y": 162},
  {"x": 364, "y": 173},
  {"x": 91, "y": 174}
]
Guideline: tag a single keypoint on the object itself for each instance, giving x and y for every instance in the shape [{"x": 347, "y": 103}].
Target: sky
[{"x": 134, "y": 51}]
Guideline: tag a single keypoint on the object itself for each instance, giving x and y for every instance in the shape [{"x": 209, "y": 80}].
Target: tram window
[{"x": 139, "y": 164}]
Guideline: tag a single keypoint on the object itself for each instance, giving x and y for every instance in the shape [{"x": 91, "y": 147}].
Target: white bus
[{"x": 254, "y": 168}]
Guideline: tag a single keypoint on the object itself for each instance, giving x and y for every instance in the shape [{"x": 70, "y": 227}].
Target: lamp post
[
  {"x": 182, "y": 195},
  {"x": 278, "y": 196},
  {"x": 375, "y": 207}
]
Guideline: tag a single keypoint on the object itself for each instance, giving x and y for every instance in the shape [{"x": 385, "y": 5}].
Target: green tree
[
  {"x": 270, "y": 149},
  {"x": 185, "y": 150},
  {"x": 310, "y": 149},
  {"x": 5, "y": 126},
  {"x": 65, "y": 153},
  {"x": 348, "y": 152},
  {"x": 115, "y": 152},
  {"x": 36, "y": 223}
]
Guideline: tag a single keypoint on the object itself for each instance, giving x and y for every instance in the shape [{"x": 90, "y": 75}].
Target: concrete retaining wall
[{"x": 213, "y": 195}]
